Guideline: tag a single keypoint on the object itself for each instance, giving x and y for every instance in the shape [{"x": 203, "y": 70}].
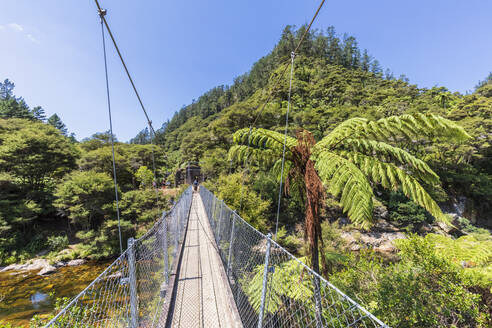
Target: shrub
[
  {"x": 57, "y": 243},
  {"x": 239, "y": 195},
  {"x": 144, "y": 176},
  {"x": 424, "y": 289},
  {"x": 86, "y": 198},
  {"x": 139, "y": 206}
]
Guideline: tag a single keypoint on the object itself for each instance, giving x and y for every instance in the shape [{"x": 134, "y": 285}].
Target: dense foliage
[
  {"x": 56, "y": 192},
  {"x": 328, "y": 92}
]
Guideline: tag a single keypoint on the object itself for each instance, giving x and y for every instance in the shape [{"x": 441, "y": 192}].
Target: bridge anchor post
[
  {"x": 132, "y": 272},
  {"x": 265, "y": 280}
]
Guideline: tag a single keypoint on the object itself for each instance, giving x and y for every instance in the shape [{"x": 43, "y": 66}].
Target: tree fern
[
  {"x": 344, "y": 179},
  {"x": 263, "y": 156},
  {"x": 465, "y": 250},
  {"x": 355, "y": 153},
  {"x": 388, "y": 153},
  {"x": 395, "y": 128},
  {"x": 392, "y": 177},
  {"x": 263, "y": 139}
]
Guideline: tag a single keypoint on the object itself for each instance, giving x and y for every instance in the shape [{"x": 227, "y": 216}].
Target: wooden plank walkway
[{"x": 203, "y": 297}]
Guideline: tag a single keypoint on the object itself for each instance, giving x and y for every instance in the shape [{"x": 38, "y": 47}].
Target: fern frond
[
  {"x": 465, "y": 248},
  {"x": 264, "y": 139},
  {"x": 409, "y": 127},
  {"x": 343, "y": 179},
  {"x": 240, "y": 153},
  {"x": 392, "y": 177},
  {"x": 277, "y": 169},
  {"x": 388, "y": 153}
]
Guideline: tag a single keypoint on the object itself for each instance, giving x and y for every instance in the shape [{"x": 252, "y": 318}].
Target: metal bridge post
[
  {"x": 165, "y": 247},
  {"x": 265, "y": 280},
  {"x": 132, "y": 270},
  {"x": 176, "y": 235},
  {"x": 217, "y": 235},
  {"x": 230, "y": 243}
]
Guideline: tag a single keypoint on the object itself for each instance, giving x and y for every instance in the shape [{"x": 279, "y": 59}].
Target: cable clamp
[{"x": 102, "y": 13}]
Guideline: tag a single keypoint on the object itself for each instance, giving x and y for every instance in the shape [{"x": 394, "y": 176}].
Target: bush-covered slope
[{"x": 332, "y": 83}]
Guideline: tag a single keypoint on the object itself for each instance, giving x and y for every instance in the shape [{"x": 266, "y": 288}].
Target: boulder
[
  {"x": 32, "y": 265},
  {"x": 383, "y": 225},
  {"x": 47, "y": 270},
  {"x": 381, "y": 242},
  {"x": 76, "y": 262}
]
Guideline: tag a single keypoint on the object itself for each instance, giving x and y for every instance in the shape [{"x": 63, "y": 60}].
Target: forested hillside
[{"x": 334, "y": 82}]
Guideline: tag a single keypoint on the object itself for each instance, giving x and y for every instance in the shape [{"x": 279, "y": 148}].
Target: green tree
[
  {"x": 6, "y": 89},
  {"x": 139, "y": 206},
  {"x": 214, "y": 163},
  {"x": 86, "y": 198},
  {"x": 253, "y": 208},
  {"x": 145, "y": 177},
  {"x": 55, "y": 120},
  {"x": 97, "y": 140},
  {"x": 39, "y": 114},
  {"x": 35, "y": 153},
  {"x": 11, "y": 106},
  {"x": 355, "y": 154}
]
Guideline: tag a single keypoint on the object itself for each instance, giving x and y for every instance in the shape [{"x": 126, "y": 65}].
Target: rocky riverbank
[
  {"x": 26, "y": 293},
  {"x": 42, "y": 266}
]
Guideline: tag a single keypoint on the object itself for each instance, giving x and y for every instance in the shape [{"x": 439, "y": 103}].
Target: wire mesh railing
[
  {"x": 131, "y": 292},
  {"x": 271, "y": 287}
]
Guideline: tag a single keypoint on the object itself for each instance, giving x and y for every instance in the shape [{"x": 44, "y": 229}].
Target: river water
[{"x": 24, "y": 294}]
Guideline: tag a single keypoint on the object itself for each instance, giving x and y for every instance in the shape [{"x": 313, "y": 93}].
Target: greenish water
[{"x": 24, "y": 294}]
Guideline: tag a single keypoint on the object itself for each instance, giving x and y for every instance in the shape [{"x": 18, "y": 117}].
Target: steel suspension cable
[
  {"x": 293, "y": 56},
  {"x": 155, "y": 174},
  {"x": 296, "y": 49},
  {"x": 149, "y": 122},
  {"x": 101, "y": 14},
  {"x": 125, "y": 67},
  {"x": 269, "y": 97}
]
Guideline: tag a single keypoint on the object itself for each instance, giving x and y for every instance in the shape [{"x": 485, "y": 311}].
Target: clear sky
[{"x": 176, "y": 50}]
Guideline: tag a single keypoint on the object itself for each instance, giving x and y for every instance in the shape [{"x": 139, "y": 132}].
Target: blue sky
[{"x": 176, "y": 50}]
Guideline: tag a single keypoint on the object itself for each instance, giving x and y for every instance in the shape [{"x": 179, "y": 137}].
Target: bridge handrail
[
  {"x": 277, "y": 258},
  {"x": 133, "y": 287}
]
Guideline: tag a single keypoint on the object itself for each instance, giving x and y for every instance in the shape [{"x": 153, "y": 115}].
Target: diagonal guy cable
[{"x": 101, "y": 14}]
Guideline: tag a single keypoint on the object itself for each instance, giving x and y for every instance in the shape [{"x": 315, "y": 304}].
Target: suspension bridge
[{"x": 202, "y": 265}]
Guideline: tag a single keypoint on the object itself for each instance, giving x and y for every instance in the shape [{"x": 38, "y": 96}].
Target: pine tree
[
  {"x": 365, "y": 61},
  {"x": 376, "y": 67},
  {"x": 6, "y": 89},
  {"x": 56, "y": 121},
  {"x": 38, "y": 113}
]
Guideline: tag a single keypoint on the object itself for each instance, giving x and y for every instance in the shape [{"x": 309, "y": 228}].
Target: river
[{"x": 24, "y": 294}]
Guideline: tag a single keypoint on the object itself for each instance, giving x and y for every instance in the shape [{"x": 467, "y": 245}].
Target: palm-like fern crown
[{"x": 359, "y": 154}]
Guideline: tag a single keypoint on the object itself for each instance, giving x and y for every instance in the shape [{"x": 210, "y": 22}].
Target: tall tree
[
  {"x": 349, "y": 161},
  {"x": 365, "y": 64},
  {"x": 6, "y": 89},
  {"x": 10, "y": 106},
  {"x": 38, "y": 113},
  {"x": 55, "y": 120},
  {"x": 334, "y": 51},
  {"x": 35, "y": 153}
]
